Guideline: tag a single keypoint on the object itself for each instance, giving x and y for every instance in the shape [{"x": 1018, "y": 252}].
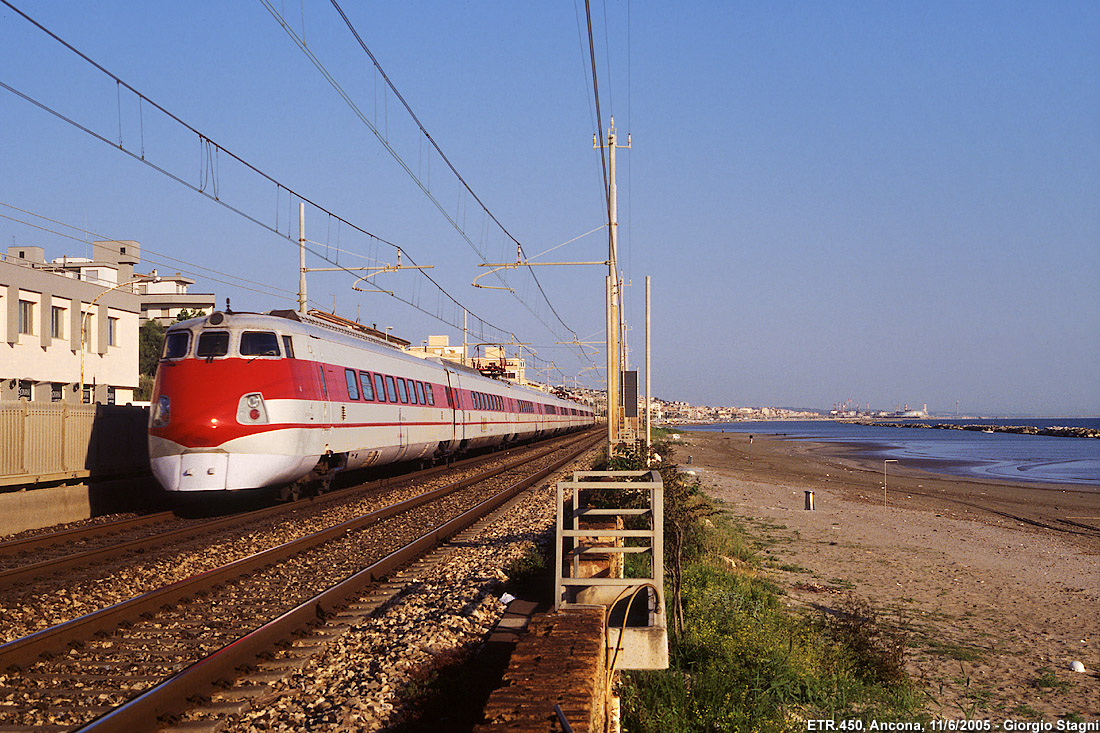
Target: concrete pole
[
  {"x": 301, "y": 257},
  {"x": 610, "y": 378},
  {"x": 614, "y": 364},
  {"x": 648, "y": 436}
]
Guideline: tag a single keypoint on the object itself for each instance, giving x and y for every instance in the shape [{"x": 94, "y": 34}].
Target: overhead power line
[
  {"x": 300, "y": 43},
  {"x": 189, "y": 268},
  {"x": 208, "y": 185}
]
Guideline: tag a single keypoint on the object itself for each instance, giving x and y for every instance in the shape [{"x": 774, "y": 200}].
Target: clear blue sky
[{"x": 886, "y": 202}]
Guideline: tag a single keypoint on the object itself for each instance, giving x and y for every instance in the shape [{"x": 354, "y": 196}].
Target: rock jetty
[{"x": 1057, "y": 431}]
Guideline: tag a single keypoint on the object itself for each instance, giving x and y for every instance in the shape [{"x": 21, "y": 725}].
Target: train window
[
  {"x": 353, "y": 384},
  {"x": 288, "y": 347},
  {"x": 364, "y": 380},
  {"x": 420, "y": 393},
  {"x": 391, "y": 389},
  {"x": 412, "y": 392},
  {"x": 428, "y": 394},
  {"x": 379, "y": 387},
  {"x": 259, "y": 343},
  {"x": 176, "y": 343},
  {"x": 402, "y": 390},
  {"x": 212, "y": 344},
  {"x": 324, "y": 384}
]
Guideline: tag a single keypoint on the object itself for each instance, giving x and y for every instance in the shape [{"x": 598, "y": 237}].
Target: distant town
[{"x": 682, "y": 413}]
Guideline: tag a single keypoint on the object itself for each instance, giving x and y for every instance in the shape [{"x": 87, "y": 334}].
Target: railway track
[
  {"x": 121, "y": 667},
  {"x": 58, "y": 553}
]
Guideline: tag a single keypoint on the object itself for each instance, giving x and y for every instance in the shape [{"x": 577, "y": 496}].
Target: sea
[{"x": 1037, "y": 458}]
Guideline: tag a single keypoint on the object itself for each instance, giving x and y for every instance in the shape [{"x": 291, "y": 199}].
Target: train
[{"x": 288, "y": 399}]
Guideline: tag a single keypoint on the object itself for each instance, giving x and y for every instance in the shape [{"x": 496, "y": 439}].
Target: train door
[
  {"x": 326, "y": 409},
  {"x": 451, "y": 406},
  {"x": 458, "y": 414},
  {"x": 402, "y": 431}
]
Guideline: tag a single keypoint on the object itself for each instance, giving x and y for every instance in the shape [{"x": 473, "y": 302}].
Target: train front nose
[
  {"x": 201, "y": 471},
  {"x": 189, "y": 426}
]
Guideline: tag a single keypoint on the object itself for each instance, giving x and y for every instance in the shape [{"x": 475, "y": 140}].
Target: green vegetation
[
  {"x": 744, "y": 659},
  {"x": 1048, "y": 680}
]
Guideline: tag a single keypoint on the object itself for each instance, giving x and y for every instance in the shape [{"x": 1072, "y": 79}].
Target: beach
[{"x": 996, "y": 583}]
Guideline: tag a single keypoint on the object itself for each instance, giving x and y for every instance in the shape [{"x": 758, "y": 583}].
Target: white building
[
  {"x": 49, "y": 322},
  {"x": 165, "y": 299}
]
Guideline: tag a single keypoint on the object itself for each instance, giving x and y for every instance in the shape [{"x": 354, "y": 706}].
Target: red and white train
[{"x": 247, "y": 400}]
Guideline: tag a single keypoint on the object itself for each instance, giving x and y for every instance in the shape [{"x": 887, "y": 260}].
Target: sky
[{"x": 890, "y": 203}]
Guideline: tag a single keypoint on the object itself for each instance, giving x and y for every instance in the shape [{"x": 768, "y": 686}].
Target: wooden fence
[{"x": 51, "y": 441}]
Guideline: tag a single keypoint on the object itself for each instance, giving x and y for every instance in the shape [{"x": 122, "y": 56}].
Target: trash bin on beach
[{"x": 809, "y": 501}]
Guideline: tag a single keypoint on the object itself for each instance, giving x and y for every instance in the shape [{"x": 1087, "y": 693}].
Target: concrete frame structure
[{"x": 163, "y": 301}]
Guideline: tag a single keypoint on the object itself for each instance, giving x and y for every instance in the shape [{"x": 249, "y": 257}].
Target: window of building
[
  {"x": 91, "y": 275},
  {"x": 57, "y": 392},
  {"x": 110, "y": 395},
  {"x": 26, "y": 317},
  {"x": 25, "y": 386},
  {"x": 57, "y": 322},
  {"x": 259, "y": 343},
  {"x": 212, "y": 344},
  {"x": 112, "y": 332},
  {"x": 364, "y": 382},
  {"x": 353, "y": 384}
]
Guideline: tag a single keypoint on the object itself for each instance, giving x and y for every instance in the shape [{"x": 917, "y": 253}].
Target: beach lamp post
[
  {"x": 150, "y": 278},
  {"x": 888, "y": 460}
]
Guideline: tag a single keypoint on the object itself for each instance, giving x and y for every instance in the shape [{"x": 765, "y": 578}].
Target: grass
[
  {"x": 746, "y": 661},
  {"x": 1048, "y": 680}
]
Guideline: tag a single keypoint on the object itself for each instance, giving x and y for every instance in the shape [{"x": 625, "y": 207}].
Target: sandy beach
[{"x": 997, "y": 584}]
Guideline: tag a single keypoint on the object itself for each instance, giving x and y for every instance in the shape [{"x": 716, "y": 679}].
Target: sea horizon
[{"x": 1007, "y": 456}]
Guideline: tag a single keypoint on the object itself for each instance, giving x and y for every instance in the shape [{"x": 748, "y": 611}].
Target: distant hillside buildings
[
  {"x": 682, "y": 413},
  {"x": 51, "y": 310}
]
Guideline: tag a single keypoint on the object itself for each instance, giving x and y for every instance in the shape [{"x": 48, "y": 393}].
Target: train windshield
[
  {"x": 259, "y": 343},
  {"x": 175, "y": 344},
  {"x": 212, "y": 344}
]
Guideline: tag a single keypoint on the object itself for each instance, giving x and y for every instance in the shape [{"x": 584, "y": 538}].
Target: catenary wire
[
  {"x": 210, "y": 146},
  {"x": 195, "y": 269},
  {"x": 347, "y": 99}
]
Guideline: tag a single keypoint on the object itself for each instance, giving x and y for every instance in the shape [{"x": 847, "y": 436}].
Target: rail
[{"x": 140, "y": 713}]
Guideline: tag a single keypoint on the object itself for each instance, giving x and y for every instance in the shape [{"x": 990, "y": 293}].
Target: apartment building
[{"x": 62, "y": 322}]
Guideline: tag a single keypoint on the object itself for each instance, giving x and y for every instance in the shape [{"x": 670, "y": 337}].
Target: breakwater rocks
[{"x": 1057, "y": 431}]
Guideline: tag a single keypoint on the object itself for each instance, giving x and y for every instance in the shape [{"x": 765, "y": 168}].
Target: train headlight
[
  {"x": 251, "y": 409},
  {"x": 162, "y": 412}
]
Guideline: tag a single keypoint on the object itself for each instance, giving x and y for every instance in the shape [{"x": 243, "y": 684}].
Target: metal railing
[{"x": 591, "y": 528}]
